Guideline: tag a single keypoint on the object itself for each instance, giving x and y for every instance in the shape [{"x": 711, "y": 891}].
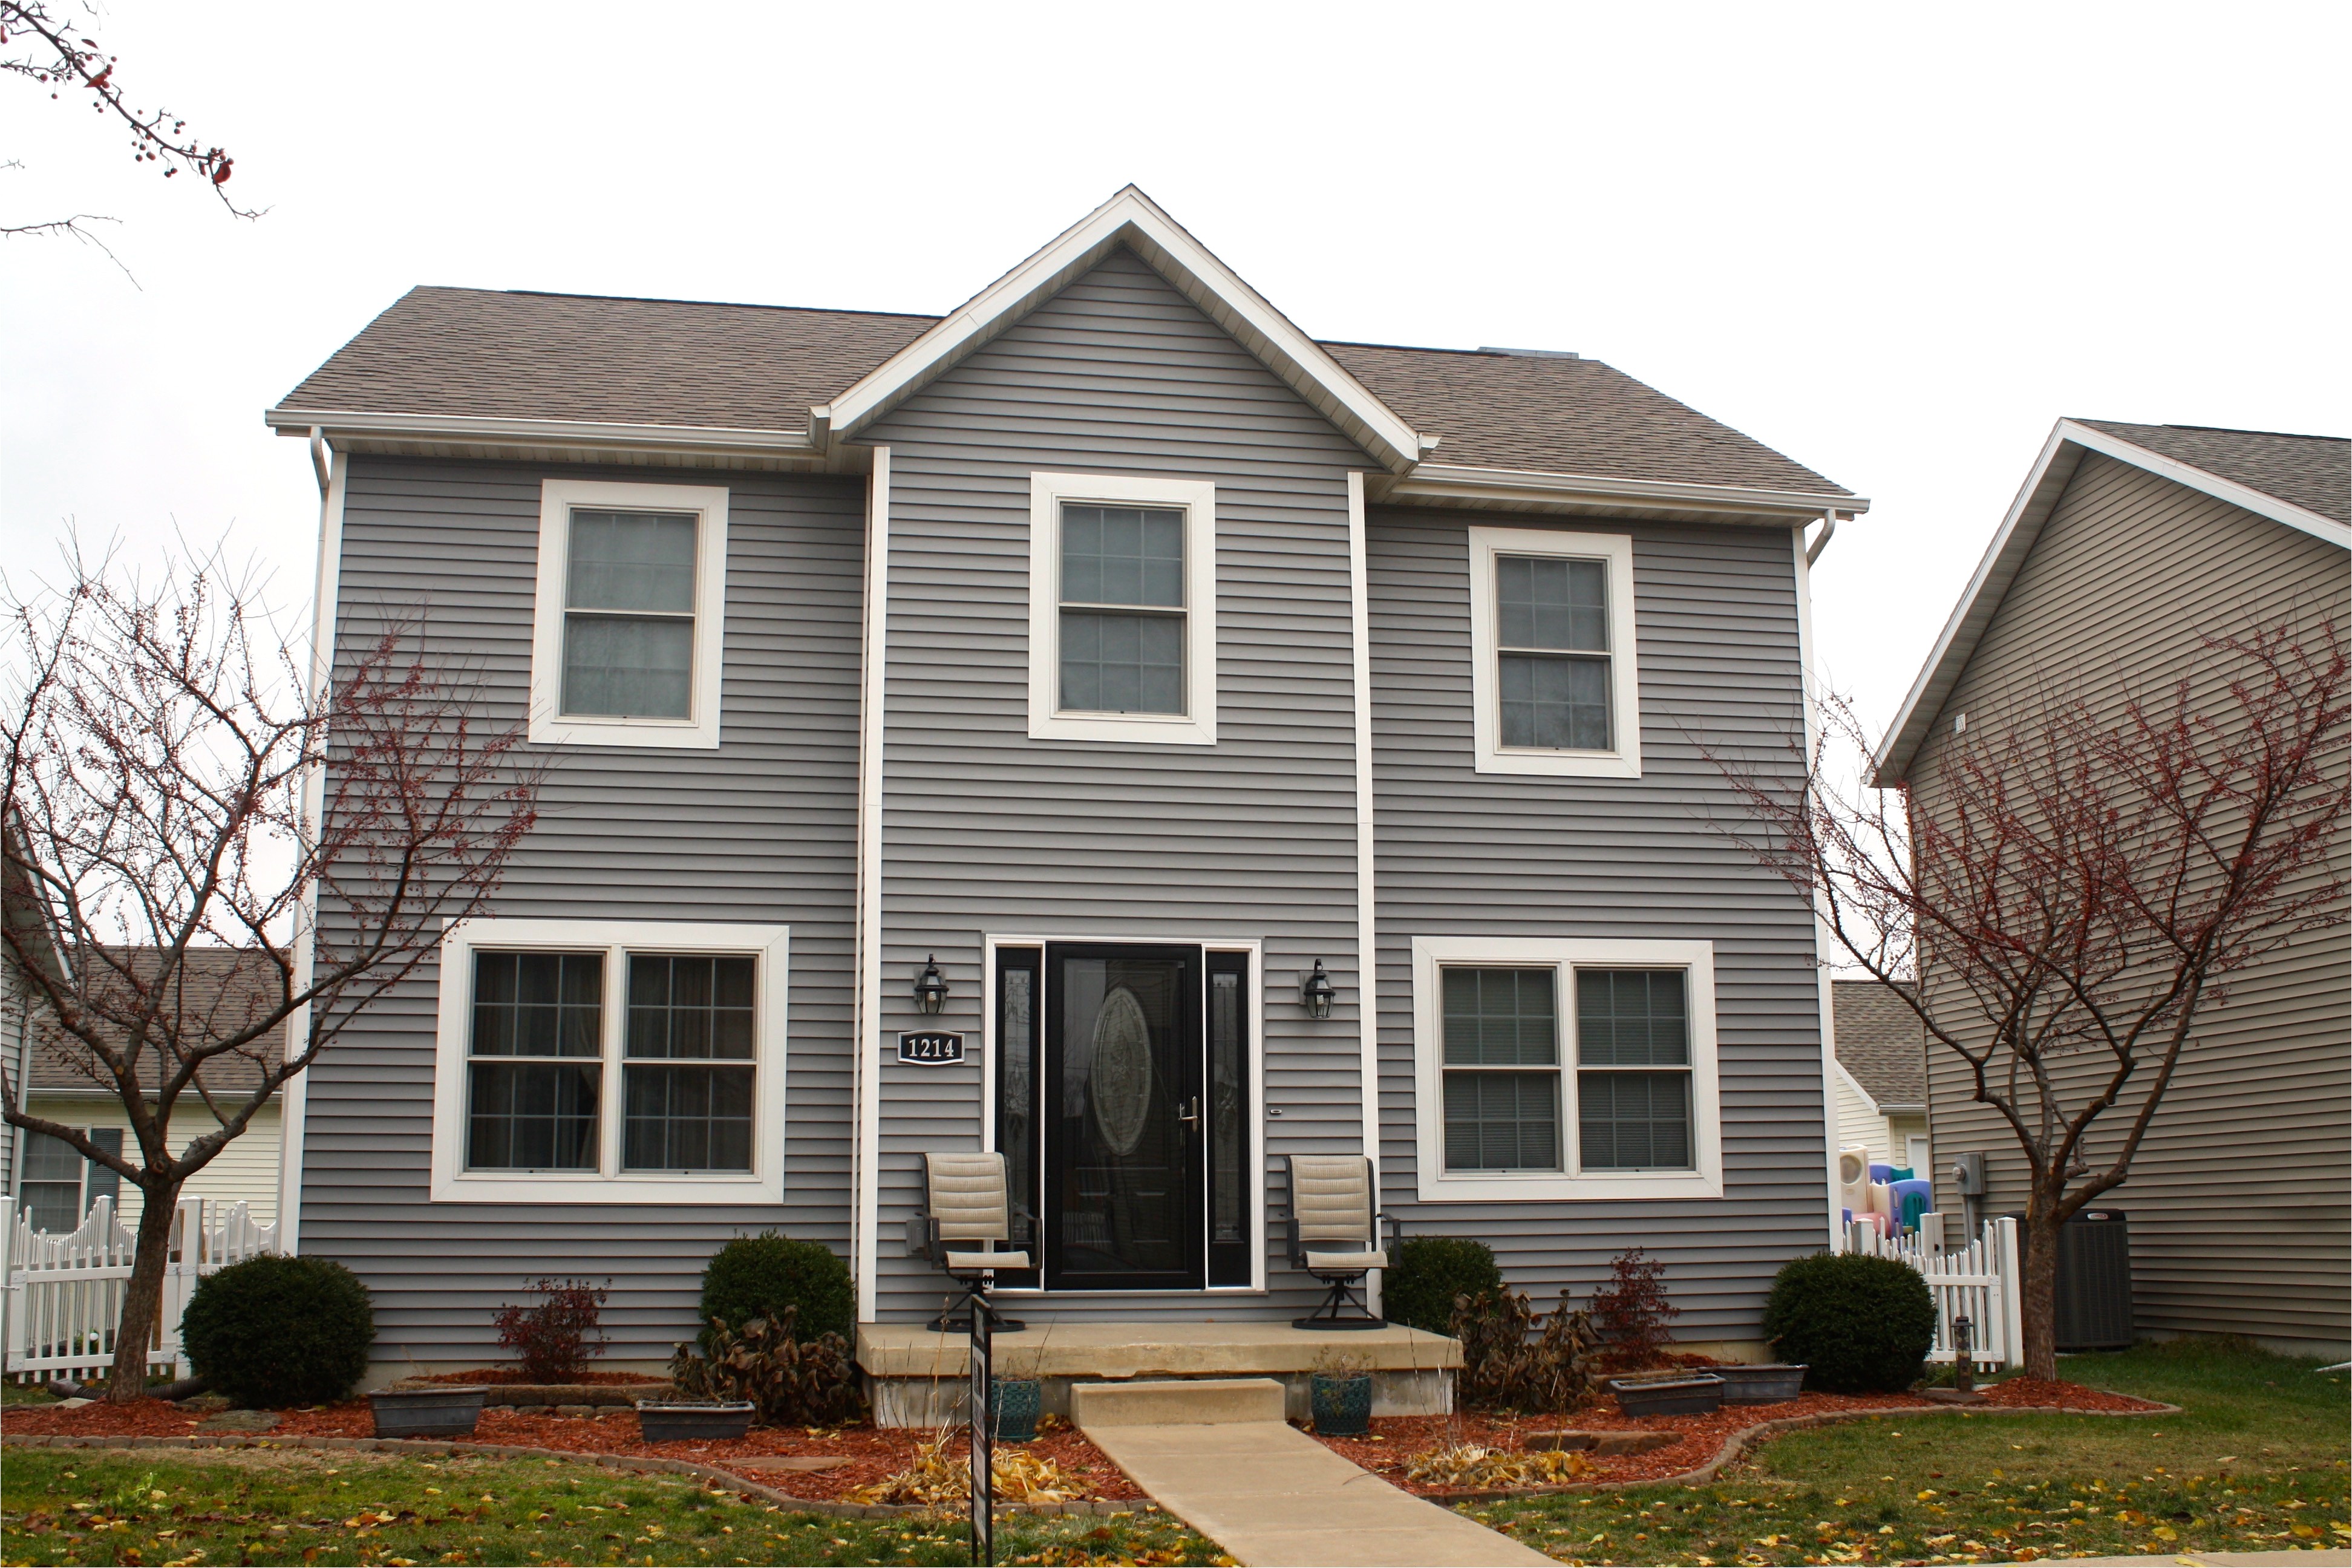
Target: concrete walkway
[{"x": 1271, "y": 1496}]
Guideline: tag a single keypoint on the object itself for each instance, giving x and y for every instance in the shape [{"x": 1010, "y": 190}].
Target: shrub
[
  {"x": 550, "y": 1337},
  {"x": 1427, "y": 1272},
  {"x": 793, "y": 1383},
  {"x": 1862, "y": 1325},
  {"x": 1632, "y": 1310},
  {"x": 1502, "y": 1369},
  {"x": 273, "y": 1331},
  {"x": 759, "y": 1275}
]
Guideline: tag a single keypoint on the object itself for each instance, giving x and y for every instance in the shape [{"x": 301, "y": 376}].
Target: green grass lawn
[
  {"x": 2257, "y": 1462},
  {"x": 306, "y": 1506}
]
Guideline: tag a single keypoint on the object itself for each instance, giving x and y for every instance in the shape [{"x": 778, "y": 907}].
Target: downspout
[
  {"x": 1821, "y": 540},
  {"x": 1825, "y": 996},
  {"x": 866, "y": 1012},
  {"x": 1368, "y": 932}
]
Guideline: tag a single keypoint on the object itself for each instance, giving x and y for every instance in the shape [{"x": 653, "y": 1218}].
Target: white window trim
[
  {"x": 1197, "y": 725},
  {"x": 1623, "y": 761},
  {"x": 763, "y": 1184},
  {"x": 1567, "y": 954},
  {"x": 699, "y": 728}
]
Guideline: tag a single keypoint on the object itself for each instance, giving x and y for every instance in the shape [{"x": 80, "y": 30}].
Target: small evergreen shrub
[
  {"x": 1426, "y": 1273},
  {"x": 274, "y": 1331},
  {"x": 550, "y": 1335},
  {"x": 1861, "y": 1325},
  {"x": 759, "y": 1275}
]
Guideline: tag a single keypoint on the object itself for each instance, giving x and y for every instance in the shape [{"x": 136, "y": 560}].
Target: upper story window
[
  {"x": 586, "y": 1061},
  {"x": 1122, "y": 616},
  {"x": 1553, "y": 677},
  {"x": 631, "y": 618}
]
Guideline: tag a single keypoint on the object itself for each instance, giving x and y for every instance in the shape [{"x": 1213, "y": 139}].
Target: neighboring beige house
[
  {"x": 1879, "y": 1078},
  {"x": 2128, "y": 545},
  {"x": 56, "y": 1186}
]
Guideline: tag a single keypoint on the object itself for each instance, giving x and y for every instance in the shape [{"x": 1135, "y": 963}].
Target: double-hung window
[
  {"x": 1553, "y": 679},
  {"x": 1122, "y": 620},
  {"x": 1560, "y": 1069},
  {"x": 630, "y": 623},
  {"x": 59, "y": 1186},
  {"x": 584, "y": 1061}
]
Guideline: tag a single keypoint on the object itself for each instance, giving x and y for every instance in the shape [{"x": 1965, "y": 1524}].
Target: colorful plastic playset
[{"x": 1892, "y": 1197}]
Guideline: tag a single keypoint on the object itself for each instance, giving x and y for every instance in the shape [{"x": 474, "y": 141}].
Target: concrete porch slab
[{"x": 1199, "y": 1349}]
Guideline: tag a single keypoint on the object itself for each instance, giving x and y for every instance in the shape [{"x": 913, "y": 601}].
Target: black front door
[{"x": 1122, "y": 1118}]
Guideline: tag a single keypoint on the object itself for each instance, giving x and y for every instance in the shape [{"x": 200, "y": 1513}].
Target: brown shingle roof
[
  {"x": 1880, "y": 1042},
  {"x": 2313, "y": 472},
  {"x": 223, "y": 990},
  {"x": 484, "y": 353}
]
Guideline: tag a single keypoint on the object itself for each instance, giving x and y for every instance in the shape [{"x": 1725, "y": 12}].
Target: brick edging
[
  {"x": 1738, "y": 1443},
  {"x": 642, "y": 1464}
]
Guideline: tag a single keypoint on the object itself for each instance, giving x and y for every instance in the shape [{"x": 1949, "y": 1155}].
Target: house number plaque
[{"x": 930, "y": 1048}]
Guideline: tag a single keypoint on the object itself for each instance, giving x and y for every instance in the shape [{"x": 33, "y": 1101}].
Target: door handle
[{"x": 1189, "y": 1112}]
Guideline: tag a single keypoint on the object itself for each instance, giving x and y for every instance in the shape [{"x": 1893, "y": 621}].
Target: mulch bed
[
  {"x": 1395, "y": 1440},
  {"x": 876, "y": 1453}
]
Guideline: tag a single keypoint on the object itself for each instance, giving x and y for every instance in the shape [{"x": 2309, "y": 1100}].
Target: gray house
[{"x": 1129, "y": 657}]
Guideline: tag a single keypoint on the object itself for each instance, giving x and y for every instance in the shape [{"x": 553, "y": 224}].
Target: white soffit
[
  {"x": 2014, "y": 541},
  {"x": 1132, "y": 218}
]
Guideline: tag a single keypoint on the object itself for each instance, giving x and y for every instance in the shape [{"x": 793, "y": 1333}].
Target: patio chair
[
  {"x": 966, "y": 1201},
  {"x": 1335, "y": 1235}
]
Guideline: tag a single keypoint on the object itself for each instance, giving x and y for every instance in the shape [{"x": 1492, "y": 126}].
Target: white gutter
[
  {"x": 1444, "y": 481},
  {"x": 866, "y": 1075},
  {"x": 364, "y": 424},
  {"x": 1368, "y": 930}
]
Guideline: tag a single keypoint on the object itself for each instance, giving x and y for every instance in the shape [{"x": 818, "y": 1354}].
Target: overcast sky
[{"x": 1894, "y": 243}]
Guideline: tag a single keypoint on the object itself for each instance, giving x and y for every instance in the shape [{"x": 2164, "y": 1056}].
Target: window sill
[
  {"x": 685, "y": 734},
  {"x": 1561, "y": 764},
  {"x": 588, "y": 1187},
  {"x": 1148, "y": 728},
  {"x": 1541, "y": 1186}
]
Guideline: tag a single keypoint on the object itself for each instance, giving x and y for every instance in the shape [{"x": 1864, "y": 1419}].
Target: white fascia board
[
  {"x": 2014, "y": 541},
  {"x": 1444, "y": 481},
  {"x": 357, "y": 424},
  {"x": 1132, "y": 218}
]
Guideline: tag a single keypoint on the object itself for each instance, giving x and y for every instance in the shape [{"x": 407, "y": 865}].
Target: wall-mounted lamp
[
  {"x": 931, "y": 990},
  {"x": 1314, "y": 992}
]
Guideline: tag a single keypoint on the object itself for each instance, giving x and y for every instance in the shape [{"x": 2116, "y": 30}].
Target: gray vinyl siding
[
  {"x": 2236, "y": 1199},
  {"x": 14, "y": 1061},
  {"x": 1466, "y": 854},
  {"x": 986, "y": 830},
  {"x": 762, "y": 829}
]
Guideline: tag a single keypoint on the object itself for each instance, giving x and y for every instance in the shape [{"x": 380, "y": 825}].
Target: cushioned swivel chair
[
  {"x": 1335, "y": 1235},
  {"x": 967, "y": 1211}
]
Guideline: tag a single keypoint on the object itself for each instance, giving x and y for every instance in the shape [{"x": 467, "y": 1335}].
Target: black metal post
[{"x": 983, "y": 1431}]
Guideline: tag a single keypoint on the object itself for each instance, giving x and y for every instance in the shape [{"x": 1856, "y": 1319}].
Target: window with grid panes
[
  {"x": 687, "y": 1072},
  {"x": 536, "y": 1072},
  {"x": 628, "y": 614},
  {"x": 1501, "y": 1070},
  {"x": 1122, "y": 607},
  {"x": 1551, "y": 637},
  {"x": 1634, "y": 1069}
]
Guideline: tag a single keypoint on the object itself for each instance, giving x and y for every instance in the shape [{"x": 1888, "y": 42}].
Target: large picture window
[
  {"x": 1566, "y": 1068},
  {"x": 1553, "y": 681},
  {"x": 630, "y": 625},
  {"x": 595, "y": 1062},
  {"x": 1123, "y": 622}
]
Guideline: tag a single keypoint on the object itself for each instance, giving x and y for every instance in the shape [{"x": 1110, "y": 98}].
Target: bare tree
[
  {"x": 169, "y": 800},
  {"x": 2078, "y": 893}
]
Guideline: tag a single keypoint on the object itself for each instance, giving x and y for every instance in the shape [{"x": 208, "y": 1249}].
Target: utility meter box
[{"x": 1969, "y": 1174}]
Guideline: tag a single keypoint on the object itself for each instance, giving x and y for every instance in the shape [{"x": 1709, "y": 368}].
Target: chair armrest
[
  {"x": 923, "y": 1237},
  {"x": 1297, "y": 1249},
  {"x": 1396, "y": 1228}
]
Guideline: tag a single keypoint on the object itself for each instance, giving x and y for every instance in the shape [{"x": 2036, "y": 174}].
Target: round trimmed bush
[
  {"x": 759, "y": 1275},
  {"x": 1860, "y": 1325},
  {"x": 273, "y": 1331},
  {"x": 1426, "y": 1272}
]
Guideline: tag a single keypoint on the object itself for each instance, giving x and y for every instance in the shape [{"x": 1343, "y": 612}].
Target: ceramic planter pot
[
  {"x": 1682, "y": 1394},
  {"x": 436, "y": 1412},
  {"x": 1016, "y": 1402},
  {"x": 1769, "y": 1384},
  {"x": 1343, "y": 1405},
  {"x": 700, "y": 1421}
]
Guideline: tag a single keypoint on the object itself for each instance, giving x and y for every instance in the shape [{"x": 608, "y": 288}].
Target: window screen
[
  {"x": 1498, "y": 1023},
  {"x": 628, "y": 614},
  {"x": 536, "y": 1070},
  {"x": 1551, "y": 621},
  {"x": 1630, "y": 1024},
  {"x": 1122, "y": 598}
]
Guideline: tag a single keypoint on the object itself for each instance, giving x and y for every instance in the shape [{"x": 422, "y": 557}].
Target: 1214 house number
[{"x": 930, "y": 1048}]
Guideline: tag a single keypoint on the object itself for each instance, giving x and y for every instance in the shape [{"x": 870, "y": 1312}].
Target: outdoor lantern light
[
  {"x": 1315, "y": 992},
  {"x": 930, "y": 991}
]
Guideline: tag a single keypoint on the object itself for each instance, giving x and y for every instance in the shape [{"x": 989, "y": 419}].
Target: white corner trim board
[
  {"x": 608, "y": 1183},
  {"x": 1623, "y": 758},
  {"x": 1430, "y": 954},
  {"x": 1197, "y": 498},
  {"x": 866, "y": 1076},
  {"x": 699, "y": 728}
]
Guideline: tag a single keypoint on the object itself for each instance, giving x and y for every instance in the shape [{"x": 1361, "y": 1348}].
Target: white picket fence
[
  {"x": 1980, "y": 1281},
  {"x": 64, "y": 1292}
]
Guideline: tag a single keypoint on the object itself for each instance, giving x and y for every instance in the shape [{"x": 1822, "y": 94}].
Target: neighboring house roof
[
  {"x": 222, "y": 991},
  {"x": 2304, "y": 482},
  {"x": 788, "y": 379},
  {"x": 1880, "y": 1044}
]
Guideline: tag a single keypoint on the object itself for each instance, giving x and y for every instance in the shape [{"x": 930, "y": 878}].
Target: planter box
[
  {"x": 704, "y": 1421},
  {"x": 1769, "y": 1384},
  {"x": 1342, "y": 1405},
  {"x": 1684, "y": 1393},
  {"x": 439, "y": 1412},
  {"x": 1016, "y": 1402}
]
